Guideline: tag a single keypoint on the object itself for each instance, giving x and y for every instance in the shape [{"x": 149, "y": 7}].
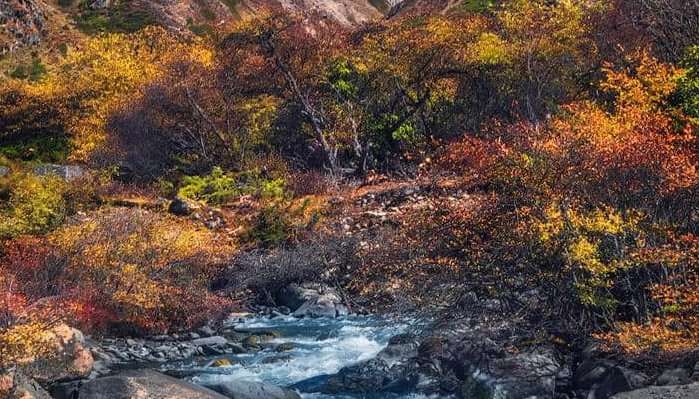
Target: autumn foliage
[{"x": 570, "y": 130}]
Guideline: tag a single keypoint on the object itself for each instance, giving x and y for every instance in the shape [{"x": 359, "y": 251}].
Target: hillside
[{"x": 346, "y": 199}]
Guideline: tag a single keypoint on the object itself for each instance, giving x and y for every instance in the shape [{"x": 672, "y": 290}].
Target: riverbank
[{"x": 324, "y": 354}]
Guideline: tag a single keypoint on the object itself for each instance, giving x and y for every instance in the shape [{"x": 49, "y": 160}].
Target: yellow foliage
[{"x": 24, "y": 342}]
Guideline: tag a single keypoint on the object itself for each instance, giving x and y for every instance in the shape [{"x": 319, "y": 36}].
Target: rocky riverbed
[{"x": 313, "y": 347}]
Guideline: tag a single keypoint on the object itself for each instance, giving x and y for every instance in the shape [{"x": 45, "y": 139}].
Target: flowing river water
[{"x": 318, "y": 347}]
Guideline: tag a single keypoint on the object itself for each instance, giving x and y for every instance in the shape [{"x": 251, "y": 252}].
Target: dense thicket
[{"x": 572, "y": 123}]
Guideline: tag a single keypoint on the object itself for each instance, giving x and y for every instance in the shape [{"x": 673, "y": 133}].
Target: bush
[
  {"x": 134, "y": 271},
  {"x": 219, "y": 187},
  {"x": 36, "y": 205}
]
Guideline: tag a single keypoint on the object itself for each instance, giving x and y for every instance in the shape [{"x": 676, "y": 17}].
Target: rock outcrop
[
  {"x": 22, "y": 23},
  {"x": 72, "y": 360},
  {"x": 252, "y": 390},
  {"x": 666, "y": 392},
  {"x": 141, "y": 384}
]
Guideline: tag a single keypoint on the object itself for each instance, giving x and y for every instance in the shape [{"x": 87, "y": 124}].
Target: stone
[
  {"x": 144, "y": 384},
  {"x": 252, "y": 341},
  {"x": 400, "y": 348},
  {"x": 72, "y": 360},
  {"x": 15, "y": 385},
  {"x": 210, "y": 341},
  {"x": 372, "y": 376},
  {"x": 65, "y": 172},
  {"x": 284, "y": 347},
  {"x": 590, "y": 372},
  {"x": 618, "y": 379},
  {"x": 206, "y": 331},
  {"x": 4, "y": 171},
  {"x": 252, "y": 390},
  {"x": 527, "y": 374},
  {"x": 222, "y": 362},
  {"x": 326, "y": 305},
  {"x": 66, "y": 390},
  {"x": 182, "y": 207},
  {"x": 689, "y": 391},
  {"x": 677, "y": 376}
]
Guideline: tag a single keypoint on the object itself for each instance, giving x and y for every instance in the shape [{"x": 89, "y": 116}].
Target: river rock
[
  {"x": 66, "y": 172},
  {"x": 144, "y": 384},
  {"x": 615, "y": 380},
  {"x": 400, "y": 348},
  {"x": 527, "y": 374},
  {"x": 677, "y": 376},
  {"x": 324, "y": 305},
  {"x": 312, "y": 300},
  {"x": 210, "y": 341},
  {"x": 689, "y": 391},
  {"x": 252, "y": 390},
  {"x": 373, "y": 376},
  {"x": 71, "y": 359},
  {"x": 15, "y": 385}
]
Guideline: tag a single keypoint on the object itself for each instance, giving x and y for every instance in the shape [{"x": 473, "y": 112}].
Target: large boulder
[
  {"x": 372, "y": 376},
  {"x": 252, "y": 390},
  {"x": 144, "y": 384},
  {"x": 615, "y": 380},
  {"x": 527, "y": 374},
  {"x": 676, "y": 376},
  {"x": 15, "y": 385},
  {"x": 690, "y": 391},
  {"x": 312, "y": 300},
  {"x": 66, "y": 172},
  {"x": 71, "y": 359}
]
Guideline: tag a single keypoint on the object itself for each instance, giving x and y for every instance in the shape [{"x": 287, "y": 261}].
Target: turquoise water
[{"x": 320, "y": 346}]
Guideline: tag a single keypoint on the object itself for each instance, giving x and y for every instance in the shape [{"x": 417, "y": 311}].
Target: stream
[{"x": 318, "y": 347}]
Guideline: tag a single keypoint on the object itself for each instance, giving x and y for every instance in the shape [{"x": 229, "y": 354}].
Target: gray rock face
[
  {"x": 253, "y": 390},
  {"x": 526, "y": 374},
  {"x": 690, "y": 391},
  {"x": 678, "y": 376},
  {"x": 66, "y": 172},
  {"x": 209, "y": 341},
  {"x": 309, "y": 301},
  {"x": 144, "y": 384},
  {"x": 617, "y": 379}
]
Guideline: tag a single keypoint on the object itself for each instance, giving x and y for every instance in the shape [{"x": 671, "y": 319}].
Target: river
[{"x": 318, "y": 347}]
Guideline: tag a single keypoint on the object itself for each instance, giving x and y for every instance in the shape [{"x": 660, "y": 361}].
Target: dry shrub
[
  {"x": 134, "y": 271},
  {"x": 320, "y": 258}
]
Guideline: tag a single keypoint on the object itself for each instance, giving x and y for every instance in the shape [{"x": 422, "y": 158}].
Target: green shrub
[
  {"x": 219, "y": 187},
  {"x": 119, "y": 19},
  {"x": 35, "y": 205},
  {"x": 33, "y": 72},
  {"x": 688, "y": 87}
]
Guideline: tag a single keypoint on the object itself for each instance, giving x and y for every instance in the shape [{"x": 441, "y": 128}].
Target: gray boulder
[
  {"x": 4, "y": 171},
  {"x": 210, "y": 341},
  {"x": 690, "y": 391},
  {"x": 328, "y": 304},
  {"x": 615, "y": 380},
  {"x": 678, "y": 376},
  {"x": 144, "y": 384},
  {"x": 527, "y": 374},
  {"x": 252, "y": 390},
  {"x": 66, "y": 172}
]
